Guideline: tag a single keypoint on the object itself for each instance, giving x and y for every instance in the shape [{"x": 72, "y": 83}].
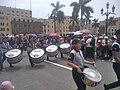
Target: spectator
[
  {"x": 6, "y": 85},
  {"x": 0, "y": 58}
]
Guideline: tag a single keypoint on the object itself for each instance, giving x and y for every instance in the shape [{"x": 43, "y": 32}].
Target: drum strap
[{"x": 82, "y": 58}]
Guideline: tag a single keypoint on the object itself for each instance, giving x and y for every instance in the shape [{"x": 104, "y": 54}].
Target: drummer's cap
[
  {"x": 6, "y": 85},
  {"x": 75, "y": 41},
  {"x": 117, "y": 32}
]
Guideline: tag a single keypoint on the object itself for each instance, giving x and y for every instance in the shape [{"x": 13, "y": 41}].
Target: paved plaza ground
[{"x": 51, "y": 76}]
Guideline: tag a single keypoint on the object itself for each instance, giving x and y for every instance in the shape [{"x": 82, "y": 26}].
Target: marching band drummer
[
  {"x": 5, "y": 47},
  {"x": 76, "y": 61},
  {"x": 30, "y": 47},
  {"x": 116, "y": 62},
  {"x": 20, "y": 43},
  {"x": 62, "y": 41}
]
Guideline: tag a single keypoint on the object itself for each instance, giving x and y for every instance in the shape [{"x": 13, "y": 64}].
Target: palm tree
[
  {"x": 95, "y": 24},
  {"x": 60, "y": 16},
  {"x": 85, "y": 10},
  {"x": 81, "y": 6},
  {"x": 74, "y": 19},
  {"x": 60, "y": 19},
  {"x": 75, "y": 24},
  {"x": 88, "y": 20},
  {"x": 76, "y": 8},
  {"x": 54, "y": 14}
]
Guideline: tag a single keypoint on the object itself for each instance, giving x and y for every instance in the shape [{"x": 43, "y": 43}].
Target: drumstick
[{"x": 96, "y": 69}]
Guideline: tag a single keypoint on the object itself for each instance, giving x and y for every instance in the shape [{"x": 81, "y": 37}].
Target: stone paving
[{"x": 46, "y": 76}]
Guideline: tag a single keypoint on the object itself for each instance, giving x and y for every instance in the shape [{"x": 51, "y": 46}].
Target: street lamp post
[{"x": 107, "y": 13}]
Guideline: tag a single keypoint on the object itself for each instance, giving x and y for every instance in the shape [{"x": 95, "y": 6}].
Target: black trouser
[
  {"x": 89, "y": 53},
  {"x": 47, "y": 57},
  {"x": 0, "y": 62},
  {"x": 116, "y": 68},
  {"x": 109, "y": 53},
  {"x": 21, "y": 48},
  {"x": 105, "y": 51},
  {"x": 30, "y": 60},
  {"x": 78, "y": 80},
  {"x": 4, "y": 58},
  {"x": 61, "y": 55}
]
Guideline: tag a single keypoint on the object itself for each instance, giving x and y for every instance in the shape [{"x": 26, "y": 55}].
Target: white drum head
[
  {"x": 37, "y": 53},
  {"x": 92, "y": 75},
  {"x": 64, "y": 45},
  {"x": 51, "y": 48},
  {"x": 13, "y": 53}
]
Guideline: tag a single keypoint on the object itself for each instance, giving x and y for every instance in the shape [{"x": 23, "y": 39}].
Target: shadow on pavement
[
  {"x": 37, "y": 66},
  {"x": 14, "y": 69}
]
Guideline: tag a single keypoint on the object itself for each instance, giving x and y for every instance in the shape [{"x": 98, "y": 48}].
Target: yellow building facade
[
  {"x": 62, "y": 28},
  {"x": 65, "y": 26},
  {"x": 7, "y": 14},
  {"x": 111, "y": 28},
  {"x": 48, "y": 25},
  {"x": 5, "y": 24}
]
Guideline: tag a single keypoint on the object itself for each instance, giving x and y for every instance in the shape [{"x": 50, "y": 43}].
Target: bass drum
[
  {"x": 92, "y": 77},
  {"x": 65, "y": 48},
  {"x": 14, "y": 56},
  {"x": 52, "y": 50},
  {"x": 37, "y": 55}
]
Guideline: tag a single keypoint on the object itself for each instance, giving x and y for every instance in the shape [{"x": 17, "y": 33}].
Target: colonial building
[
  {"x": 26, "y": 27},
  {"x": 48, "y": 25},
  {"x": 66, "y": 25},
  {"x": 111, "y": 28},
  {"x": 7, "y": 14},
  {"x": 14, "y": 20}
]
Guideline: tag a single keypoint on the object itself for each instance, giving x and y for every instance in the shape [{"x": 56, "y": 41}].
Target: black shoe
[
  {"x": 11, "y": 66},
  {"x": 56, "y": 56},
  {"x": 105, "y": 87},
  {"x": 32, "y": 65}
]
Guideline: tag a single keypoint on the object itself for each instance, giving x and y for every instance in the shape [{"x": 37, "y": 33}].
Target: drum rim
[
  {"x": 64, "y": 44},
  {"x": 16, "y": 61},
  {"x": 38, "y": 56},
  {"x": 13, "y": 56},
  {"x": 54, "y": 50},
  {"x": 92, "y": 79}
]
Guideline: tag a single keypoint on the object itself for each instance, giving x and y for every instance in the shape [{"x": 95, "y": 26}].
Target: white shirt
[{"x": 88, "y": 42}]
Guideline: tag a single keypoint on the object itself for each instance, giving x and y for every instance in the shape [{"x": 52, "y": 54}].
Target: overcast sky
[{"x": 43, "y": 8}]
